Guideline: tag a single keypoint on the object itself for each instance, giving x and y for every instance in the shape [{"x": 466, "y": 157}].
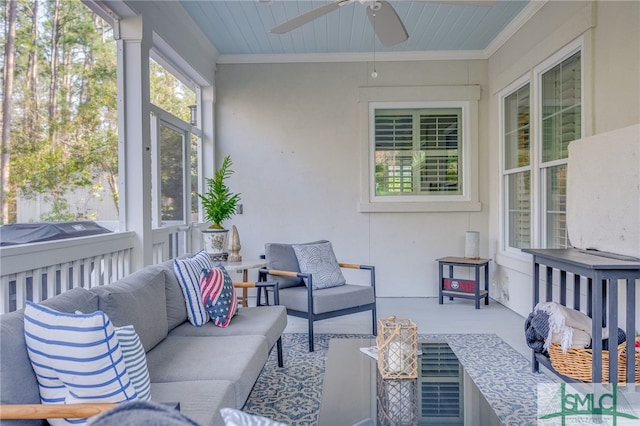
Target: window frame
[
  {"x": 439, "y": 97},
  {"x": 542, "y": 165},
  {"x": 417, "y": 114},
  {"x": 505, "y": 172},
  {"x": 538, "y": 167},
  {"x": 160, "y": 117}
]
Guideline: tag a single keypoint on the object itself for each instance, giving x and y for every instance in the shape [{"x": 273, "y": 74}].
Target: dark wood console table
[{"x": 603, "y": 275}]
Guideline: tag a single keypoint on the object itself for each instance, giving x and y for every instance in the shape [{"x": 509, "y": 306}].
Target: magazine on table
[{"x": 372, "y": 351}]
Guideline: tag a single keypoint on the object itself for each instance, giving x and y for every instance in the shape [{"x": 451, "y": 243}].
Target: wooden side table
[
  {"x": 244, "y": 266},
  {"x": 464, "y": 288}
]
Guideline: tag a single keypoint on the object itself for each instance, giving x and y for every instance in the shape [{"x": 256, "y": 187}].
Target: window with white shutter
[
  {"x": 418, "y": 151},
  {"x": 420, "y": 147}
]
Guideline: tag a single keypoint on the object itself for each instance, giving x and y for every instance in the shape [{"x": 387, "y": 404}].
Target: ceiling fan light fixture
[
  {"x": 390, "y": 29},
  {"x": 371, "y": 4}
]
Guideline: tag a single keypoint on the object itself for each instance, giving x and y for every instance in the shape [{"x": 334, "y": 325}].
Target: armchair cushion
[
  {"x": 320, "y": 261},
  {"x": 328, "y": 299}
]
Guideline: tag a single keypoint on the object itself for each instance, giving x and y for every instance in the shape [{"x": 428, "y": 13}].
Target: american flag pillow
[{"x": 218, "y": 295}]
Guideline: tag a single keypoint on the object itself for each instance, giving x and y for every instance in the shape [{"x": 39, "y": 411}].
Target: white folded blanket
[{"x": 569, "y": 327}]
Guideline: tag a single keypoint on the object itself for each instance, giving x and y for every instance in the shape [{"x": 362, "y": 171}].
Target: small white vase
[{"x": 215, "y": 241}]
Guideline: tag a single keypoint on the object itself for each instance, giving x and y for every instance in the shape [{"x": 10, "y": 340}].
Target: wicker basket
[
  {"x": 622, "y": 366},
  {"x": 576, "y": 363}
]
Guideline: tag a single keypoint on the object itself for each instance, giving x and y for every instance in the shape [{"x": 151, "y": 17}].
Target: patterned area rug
[{"x": 292, "y": 394}]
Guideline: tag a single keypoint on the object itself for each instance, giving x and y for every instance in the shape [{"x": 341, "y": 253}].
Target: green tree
[
  {"x": 8, "y": 65},
  {"x": 63, "y": 126}
]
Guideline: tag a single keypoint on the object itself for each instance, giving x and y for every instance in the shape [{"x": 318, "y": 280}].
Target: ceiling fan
[{"x": 386, "y": 23}]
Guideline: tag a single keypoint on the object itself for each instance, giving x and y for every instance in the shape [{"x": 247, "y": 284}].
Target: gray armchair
[{"x": 317, "y": 290}]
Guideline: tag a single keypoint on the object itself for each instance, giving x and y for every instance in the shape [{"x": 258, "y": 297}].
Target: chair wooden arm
[
  {"x": 349, "y": 265},
  {"x": 53, "y": 411},
  {"x": 244, "y": 285},
  {"x": 282, "y": 273}
]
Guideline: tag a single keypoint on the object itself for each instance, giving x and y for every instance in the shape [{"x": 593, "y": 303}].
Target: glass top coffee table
[{"x": 443, "y": 394}]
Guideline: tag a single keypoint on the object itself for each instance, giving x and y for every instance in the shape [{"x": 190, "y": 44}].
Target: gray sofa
[{"x": 202, "y": 368}]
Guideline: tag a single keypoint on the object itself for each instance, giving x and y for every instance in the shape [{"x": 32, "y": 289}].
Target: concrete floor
[{"x": 456, "y": 316}]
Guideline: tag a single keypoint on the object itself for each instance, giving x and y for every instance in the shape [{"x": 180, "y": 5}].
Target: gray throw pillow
[
  {"x": 320, "y": 261},
  {"x": 281, "y": 256}
]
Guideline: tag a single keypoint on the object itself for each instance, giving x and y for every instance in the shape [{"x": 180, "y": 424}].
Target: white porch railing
[{"x": 38, "y": 271}]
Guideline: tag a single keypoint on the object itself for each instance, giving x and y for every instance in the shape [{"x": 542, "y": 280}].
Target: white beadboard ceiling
[{"x": 240, "y": 29}]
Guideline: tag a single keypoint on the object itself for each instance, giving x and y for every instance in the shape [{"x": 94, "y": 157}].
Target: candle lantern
[
  {"x": 397, "y": 402},
  {"x": 397, "y": 343}
]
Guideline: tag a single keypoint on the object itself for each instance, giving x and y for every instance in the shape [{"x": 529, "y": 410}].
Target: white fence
[
  {"x": 83, "y": 202},
  {"x": 38, "y": 271}
]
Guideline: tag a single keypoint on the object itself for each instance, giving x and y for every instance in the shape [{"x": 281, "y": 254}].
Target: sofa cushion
[
  {"x": 188, "y": 271},
  {"x": 200, "y": 400},
  {"x": 328, "y": 299},
  {"x": 15, "y": 366},
  {"x": 71, "y": 301},
  {"x": 218, "y": 295},
  {"x": 268, "y": 321},
  {"x": 138, "y": 300},
  {"x": 281, "y": 256},
  {"x": 135, "y": 360},
  {"x": 320, "y": 261},
  {"x": 238, "y": 359},
  {"x": 76, "y": 357}
]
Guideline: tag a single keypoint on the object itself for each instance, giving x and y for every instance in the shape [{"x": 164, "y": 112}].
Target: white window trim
[
  {"x": 509, "y": 256},
  {"x": 538, "y": 238},
  {"x": 465, "y": 97},
  {"x": 159, "y": 118},
  {"x": 504, "y": 198}
]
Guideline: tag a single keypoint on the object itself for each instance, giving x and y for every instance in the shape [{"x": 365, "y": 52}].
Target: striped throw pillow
[
  {"x": 76, "y": 358},
  {"x": 218, "y": 295},
  {"x": 187, "y": 272},
  {"x": 136, "y": 360}
]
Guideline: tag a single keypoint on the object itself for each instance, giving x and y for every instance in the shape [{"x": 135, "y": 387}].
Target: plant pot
[{"x": 215, "y": 242}]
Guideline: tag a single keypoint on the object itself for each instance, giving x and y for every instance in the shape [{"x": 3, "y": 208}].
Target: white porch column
[
  {"x": 208, "y": 102},
  {"x": 134, "y": 137}
]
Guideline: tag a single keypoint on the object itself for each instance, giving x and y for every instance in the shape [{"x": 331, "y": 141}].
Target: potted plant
[{"x": 219, "y": 204}]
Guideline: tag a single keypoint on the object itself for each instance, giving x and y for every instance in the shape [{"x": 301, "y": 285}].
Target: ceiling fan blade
[
  {"x": 387, "y": 24},
  {"x": 308, "y": 17}
]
